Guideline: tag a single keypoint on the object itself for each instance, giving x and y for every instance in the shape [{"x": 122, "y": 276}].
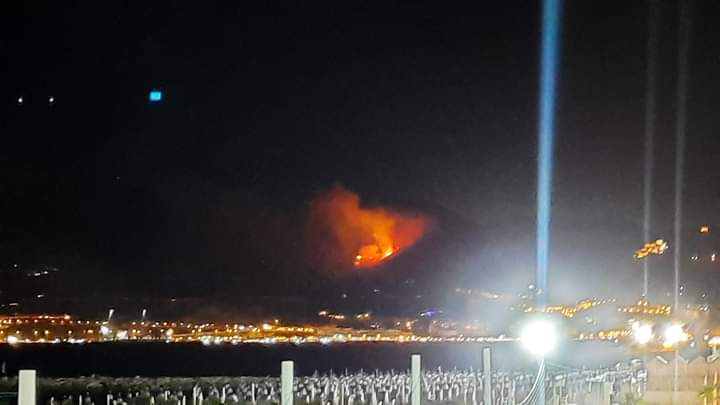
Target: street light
[
  {"x": 642, "y": 333},
  {"x": 674, "y": 334},
  {"x": 539, "y": 337}
]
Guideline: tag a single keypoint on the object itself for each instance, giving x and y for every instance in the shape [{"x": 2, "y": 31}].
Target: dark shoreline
[{"x": 194, "y": 359}]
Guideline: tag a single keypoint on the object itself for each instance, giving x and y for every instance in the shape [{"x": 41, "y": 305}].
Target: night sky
[{"x": 429, "y": 107}]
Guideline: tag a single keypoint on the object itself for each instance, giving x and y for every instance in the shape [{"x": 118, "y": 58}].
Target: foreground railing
[{"x": 412, "y": 387}]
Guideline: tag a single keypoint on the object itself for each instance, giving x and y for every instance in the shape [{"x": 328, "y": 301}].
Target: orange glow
[
  {"x": 364, "y": 236},
  {"x": 657, "y": 247},
  {"x": 370, "y": 255}
]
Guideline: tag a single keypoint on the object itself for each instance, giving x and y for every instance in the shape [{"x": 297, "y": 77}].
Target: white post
[
  {"x": 487, "y": 377},
  {"x": 415, "y": 379},
  {"x": 26, "y": 387},
  {"x": 286, "y": 383}
]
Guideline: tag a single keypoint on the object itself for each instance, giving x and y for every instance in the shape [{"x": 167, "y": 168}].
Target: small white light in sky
[
  {"x": 20, "y": 100},
  {"x": 155, "y": 96}
]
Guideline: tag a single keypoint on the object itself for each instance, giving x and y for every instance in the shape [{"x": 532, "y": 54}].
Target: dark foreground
[{"x": 161, "y": 359}]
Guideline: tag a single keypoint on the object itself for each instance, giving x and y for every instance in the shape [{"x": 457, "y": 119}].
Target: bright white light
[
  {"x": 674, "y": 334},
  {"x": 642, "y": 333},
  {"x": 12, "y": 340},
  {"x": 20, "y": 100},
  {"x": 104, "y": 330},
  {"x": 539, "y": 337}
]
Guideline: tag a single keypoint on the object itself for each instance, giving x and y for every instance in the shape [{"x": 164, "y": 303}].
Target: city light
[
  {"x": 674, "y": 334},
  {"x": 656, "y": 247},
  {"x": 642, "y": 333},
  {"x": 539, "y": 337}
]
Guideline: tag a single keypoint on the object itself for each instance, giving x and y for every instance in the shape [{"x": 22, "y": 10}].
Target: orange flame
[{"x": 365, "y": 236}]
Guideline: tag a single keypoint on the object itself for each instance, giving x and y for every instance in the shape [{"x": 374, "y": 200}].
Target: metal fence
[{"x": 560, "y": 386}]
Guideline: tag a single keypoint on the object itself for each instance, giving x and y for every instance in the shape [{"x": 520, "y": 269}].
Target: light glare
[
  {"x": 674, "y": 334},
  {"x": 539, "y": 337},
  {"x": 642, "y": 333}
]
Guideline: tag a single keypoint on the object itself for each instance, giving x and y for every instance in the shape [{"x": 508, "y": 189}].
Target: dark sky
[{"x": 423, "y": 106}]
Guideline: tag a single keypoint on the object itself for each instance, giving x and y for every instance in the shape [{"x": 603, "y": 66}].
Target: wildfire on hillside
[{"x": 365, "y": 236}]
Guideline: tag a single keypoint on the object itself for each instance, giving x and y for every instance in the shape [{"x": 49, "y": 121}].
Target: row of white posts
[
  {"x": 27, "y": 382},
  {"x": 287, "y": 376}
]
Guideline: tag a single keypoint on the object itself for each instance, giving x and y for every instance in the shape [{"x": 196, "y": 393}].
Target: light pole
[{"x": 539, "y": 337}]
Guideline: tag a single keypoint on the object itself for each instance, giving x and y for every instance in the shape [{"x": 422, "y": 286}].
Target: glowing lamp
[
  {"x": 642, "y": 333},
  {"x": 674, "y": 334},
  {"x": 539, "y": 337}
]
